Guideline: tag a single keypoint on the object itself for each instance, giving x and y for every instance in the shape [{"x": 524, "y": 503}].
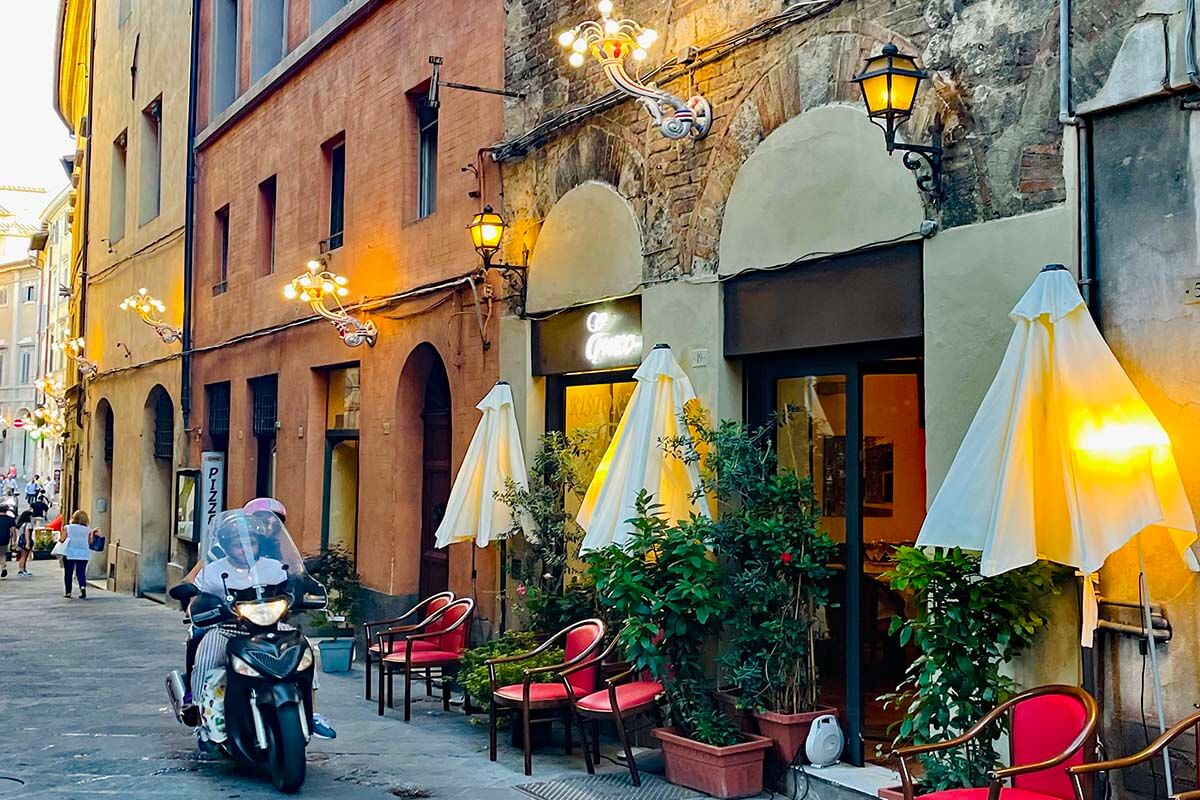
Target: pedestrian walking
[
  {"x": 24, "y": 529},
  {"x": 31, "y": 490},
  {"x": 39, "y": 508},
  {"x": 10, "y": 485},
  {"x": 8, "y": 524},
  {"x": 77, "y": 538}
]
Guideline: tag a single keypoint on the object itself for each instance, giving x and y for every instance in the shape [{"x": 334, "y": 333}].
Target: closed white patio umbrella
[
  {"x": 1064, "y": 460},
  {"x": 473, "y": 514},
  {"x": 635, "y": 458}
]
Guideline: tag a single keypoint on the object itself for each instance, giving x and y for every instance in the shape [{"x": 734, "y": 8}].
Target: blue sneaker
[
  {"x": 322, "y": 729},
  {"x": 207, "y": 751}
]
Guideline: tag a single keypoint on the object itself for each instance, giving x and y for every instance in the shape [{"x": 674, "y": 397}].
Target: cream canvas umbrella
[
  {"x": 1064, "y": 460},
  {"x": 635, "y": 458},
  {"x": 494, "y": 457}
]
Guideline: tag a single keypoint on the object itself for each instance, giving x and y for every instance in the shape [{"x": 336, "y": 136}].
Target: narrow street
[{"x": 83, "y": 714}]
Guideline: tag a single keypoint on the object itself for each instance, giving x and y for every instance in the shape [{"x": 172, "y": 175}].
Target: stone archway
[{"x": 158, "y": 458}]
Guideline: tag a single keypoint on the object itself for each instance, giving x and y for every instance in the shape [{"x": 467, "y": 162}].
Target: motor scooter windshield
[{"x": 246, "y": 550}]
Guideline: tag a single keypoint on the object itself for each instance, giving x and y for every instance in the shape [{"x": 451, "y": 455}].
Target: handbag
[
  {"x": 96, "y": 542},
  {"x": 60, "y": 549}
]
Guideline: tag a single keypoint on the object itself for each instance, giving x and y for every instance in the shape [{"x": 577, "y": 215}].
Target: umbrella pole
[
  {"x": 503, "y": 586},
  {"x": 1144, "y": 595}
]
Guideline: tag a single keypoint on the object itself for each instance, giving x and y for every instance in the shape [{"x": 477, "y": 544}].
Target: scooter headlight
[
  {"x": 262, "y": 612},
  {"x": 306, "y": 660},
  {"x": 242, "y": 668}
]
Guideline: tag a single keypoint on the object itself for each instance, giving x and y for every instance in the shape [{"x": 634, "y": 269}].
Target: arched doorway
[
  {"x": 158, "y": 454},
  {"x": 435, "y": 476},
  {"x": 103, "y": 438}
]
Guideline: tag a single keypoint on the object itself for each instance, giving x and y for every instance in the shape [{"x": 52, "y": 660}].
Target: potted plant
[
  {"x": 958, "y": 612},
  {"x": 475, "y": 682},
  {"x": 43, "y": 543},
  {"x": 775, "y": 559},
  {"x": 665, "y": 583},
  {"x": 335, "y": 570}
]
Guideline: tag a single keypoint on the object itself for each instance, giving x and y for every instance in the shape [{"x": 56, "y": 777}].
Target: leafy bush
[
  {"x": 336, "y": 571},
  {"x": 775, "y": 561},
  {"x": 473, "y": 675},
  {"x": 666, "y": 584},
  {"x": 43, "y": 541},
  {"x": 550, "y": 595},
  {"x": 966, "y": 628}
]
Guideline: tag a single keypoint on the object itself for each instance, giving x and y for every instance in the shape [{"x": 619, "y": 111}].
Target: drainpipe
[
  {"x": 83, "y": 272},
  {"x": 1088, "y": 284},
  {"x": 1189, "y": 44},
  {"x": 1064, "y": 63},
  {"x": 185, "y": 380}
]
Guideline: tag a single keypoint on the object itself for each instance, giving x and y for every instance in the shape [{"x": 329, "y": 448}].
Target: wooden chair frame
[
  {"x": 1142, "y": 756},
  {"x": 591, "y": 750},
  {"x": 997, "y": 777},
  {"x": 394, "y": 630},
  {"x": 387, "y": 668},
  {"x": 527, "y": 705}
]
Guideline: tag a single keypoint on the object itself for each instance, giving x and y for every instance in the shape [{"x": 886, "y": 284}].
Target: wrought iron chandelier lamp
[
  {"x": 149, "y": 308},
  {"x": 323, "y": 290},
  {"x": 73, "y": 349},
  {"x": 610, "y": 40}
]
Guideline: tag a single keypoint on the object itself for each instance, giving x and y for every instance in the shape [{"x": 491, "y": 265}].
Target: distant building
[{"x": 20, "y": 291}]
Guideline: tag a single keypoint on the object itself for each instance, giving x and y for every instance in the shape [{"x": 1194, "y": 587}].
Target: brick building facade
[{"x": 364, "y": 441}]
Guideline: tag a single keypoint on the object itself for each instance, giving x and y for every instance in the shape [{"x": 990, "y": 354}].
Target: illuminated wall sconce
[
  {"x": 889, "y": 84},
  {"x": 47, "y": 422},
  {"x": 610, "y": 41},
  {"x": 50, "y": 388},
  {"x": 149, "y": 309},
  {"x": 323, "y": 290},
  {"x": 73, "y": 349},
  {"x": 487, "y": 229}
]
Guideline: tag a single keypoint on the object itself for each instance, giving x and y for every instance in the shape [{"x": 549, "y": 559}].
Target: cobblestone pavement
[{"x": 83, "y": 714}]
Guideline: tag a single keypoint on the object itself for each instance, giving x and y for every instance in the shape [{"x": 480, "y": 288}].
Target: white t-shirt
[{"x": 264, "y": 572}]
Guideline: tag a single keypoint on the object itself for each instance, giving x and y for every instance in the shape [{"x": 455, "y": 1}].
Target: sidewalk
[{"x": 83, "y": 714}]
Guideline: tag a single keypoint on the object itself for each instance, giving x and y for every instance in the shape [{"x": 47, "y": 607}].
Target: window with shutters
[
  {"x": 108, "y": 434},
  {"x": 266, "y": 404},
  {"x": 218, "y": 414}
]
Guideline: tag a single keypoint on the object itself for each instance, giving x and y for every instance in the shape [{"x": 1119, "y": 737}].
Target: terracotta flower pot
[
  {"x": 733, "y": 771},
  {"x": 789, "y": 732},
  {"x": 727, "y": 703},
  {"x": 891, "y": 793}
]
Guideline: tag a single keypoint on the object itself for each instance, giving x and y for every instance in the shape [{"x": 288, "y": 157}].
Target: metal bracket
[{"x": 433, "y": 99}]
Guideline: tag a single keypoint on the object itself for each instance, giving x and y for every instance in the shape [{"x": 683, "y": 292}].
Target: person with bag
[
  {"x": 8, "y": 524},
  {"x": 78, "y": 540},
  {"x": 24, "y": 543}
]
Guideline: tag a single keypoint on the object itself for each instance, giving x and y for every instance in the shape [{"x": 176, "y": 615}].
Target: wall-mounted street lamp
[
  {"x": 50, "y": 388},
  {"x": 149, "y": 308},
  {"x": 487, "y": 229},
  {"x": 323, "y": 291},
  {"x": 73, "y": 349},
  {"x": 889, "y": 84},
  {"x": 610, "y": 41},
  {"x": 47, "y": 422}
]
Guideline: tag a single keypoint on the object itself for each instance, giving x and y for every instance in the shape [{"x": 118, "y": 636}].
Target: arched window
[{"x": 164, "y": 427}]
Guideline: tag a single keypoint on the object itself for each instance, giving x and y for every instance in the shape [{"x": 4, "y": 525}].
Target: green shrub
[
  {"x": 966, "y": 629},
  {"x": 336, "y": 571},
  {"x": 473, "y": 675},
  {"x": 43, "y": 541}
]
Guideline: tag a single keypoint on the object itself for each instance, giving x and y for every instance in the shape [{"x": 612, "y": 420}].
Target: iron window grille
[
  {"x": 108, "y": 436},
  {"x": 218, "y": 409},
  {"x": 266, "y": 405},
  {"x": 164, "y": 428}
]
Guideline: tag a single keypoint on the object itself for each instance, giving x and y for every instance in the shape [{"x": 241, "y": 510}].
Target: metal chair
[{"x": 1141, "y": 757}]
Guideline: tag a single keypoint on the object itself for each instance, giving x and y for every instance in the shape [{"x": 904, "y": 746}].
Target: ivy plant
[
  {"x": 473, "y": 675},
  {"x": 775, "y": 559},
  {"x": 966, "y": 628},
  {"x": 665, "y": 583}
]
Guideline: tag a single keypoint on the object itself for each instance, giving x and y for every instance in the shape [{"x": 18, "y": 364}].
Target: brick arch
[
  {"x": 771, "y": 99},
  {"x": 599, "y": 152}
]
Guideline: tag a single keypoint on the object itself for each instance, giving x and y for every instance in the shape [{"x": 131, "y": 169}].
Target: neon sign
[{"x": 606, "y": 346}]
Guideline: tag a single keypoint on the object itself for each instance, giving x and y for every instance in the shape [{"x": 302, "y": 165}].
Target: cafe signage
[{"x": 600, "y": 336}]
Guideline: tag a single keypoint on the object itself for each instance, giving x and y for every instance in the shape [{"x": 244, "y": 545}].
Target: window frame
[
  {"x": 335, "y": 183},
  {"x": 150, "y": 185},
  {"x": 221, "y": 248},
  {"x": 427, "y": 156},
  {"x": 268, "y": 224},
  {"x": 117, "y": 199}
]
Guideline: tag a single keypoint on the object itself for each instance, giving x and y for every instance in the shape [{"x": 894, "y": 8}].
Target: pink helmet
[{"x": 266, "y": 504}]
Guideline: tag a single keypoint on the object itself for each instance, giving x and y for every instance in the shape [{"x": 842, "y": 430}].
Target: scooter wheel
[{"x": 285, "y": 750}]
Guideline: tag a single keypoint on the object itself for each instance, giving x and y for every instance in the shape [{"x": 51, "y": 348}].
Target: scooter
[{"x": 268, "y": 672}]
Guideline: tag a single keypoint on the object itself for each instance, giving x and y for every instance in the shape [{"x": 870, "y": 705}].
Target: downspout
[
  {"x": 1189, "y": 44},
  {"x": 185, "y": 381},
  {"x": 1083, "y": 141},
  {"x": 83, "y": 272}
]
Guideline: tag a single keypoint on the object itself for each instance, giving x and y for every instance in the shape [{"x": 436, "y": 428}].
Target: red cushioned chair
[
  {"x": 1153, "y": 751},
  {"x": 622, "y": 699},
  {"x": 1049, "y": 728},
  {"x": 395, "y": 632},
  {"x": 446, "y": 632},
  {"x": 580, "y": 641}
]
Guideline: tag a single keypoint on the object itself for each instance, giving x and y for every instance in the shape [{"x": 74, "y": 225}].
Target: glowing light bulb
[
  {"x": 340, "y": 280},
  {"x": 342, "y": 291},
  {"x": 314, "y": 266},
  {"x": 580, "y": 46},
  {"x": 611, "y": 26},
  {"x": 327, "y": 286},
  {"x": 566, "y": 38},
  {"x": 576, "y": 60},
  {"x": 605, "y": 7},
  {"x": 124, "y": 305},
  {"x": 305, "y": 297},
  {"x": 651, "y": 35},
  {"x": 289, "y": 292},
  {"x": 639, "y": 54},
  {"x": 306, "y": 281}
]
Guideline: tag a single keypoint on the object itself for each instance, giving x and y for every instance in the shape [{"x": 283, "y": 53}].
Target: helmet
[
  {"x": 235, "y": 532},
  {"x": 266, "y": 504}
]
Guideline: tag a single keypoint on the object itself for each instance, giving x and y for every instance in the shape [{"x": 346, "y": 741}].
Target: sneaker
[
  {"x": 83, "y": 594},
  {"x": 321, "y": 728},
  {"x": 4, "y": 572},
  {"x": 25, "y": 573},
  {"x": 207, "y": 751}
]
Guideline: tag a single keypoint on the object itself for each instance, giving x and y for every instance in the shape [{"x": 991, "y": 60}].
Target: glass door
[{"x": 852, "y": 421}]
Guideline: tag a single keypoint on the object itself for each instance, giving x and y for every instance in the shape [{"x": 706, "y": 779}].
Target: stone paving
[{"x": 83, "y": 714}]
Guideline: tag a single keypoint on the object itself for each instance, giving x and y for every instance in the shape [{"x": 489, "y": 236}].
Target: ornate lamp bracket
[
  {"x": 148, "y": 309},
  {"x": 610, "y": 40},
  {"x": 323, "y": 290}
]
